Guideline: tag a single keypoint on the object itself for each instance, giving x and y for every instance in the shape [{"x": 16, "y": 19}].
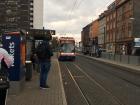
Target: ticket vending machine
[{"x": 14, "y": 43}]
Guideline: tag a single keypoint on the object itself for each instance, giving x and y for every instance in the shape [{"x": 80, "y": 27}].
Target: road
[{"x": 90, "y": 82}]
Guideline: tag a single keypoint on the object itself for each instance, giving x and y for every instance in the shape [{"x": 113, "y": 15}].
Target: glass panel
[
  {"x": 137, "y": 44},
  {"x": 67, "y": 47}
]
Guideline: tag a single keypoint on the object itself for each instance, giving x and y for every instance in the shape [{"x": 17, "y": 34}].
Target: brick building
[
  {"x": 93, "y": 32},
  {"x": 95, "y": 28},
  {"x": 86, "y": 35},
  {"x": 119, "y": 28},
  {"x": 102, "y": 30},
  {"x": 110, "y": 28},
  {"x": 127, "y": 25}
]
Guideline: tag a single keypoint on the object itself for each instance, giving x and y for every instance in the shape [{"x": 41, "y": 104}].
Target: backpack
[{"x": 43, "y": 51}]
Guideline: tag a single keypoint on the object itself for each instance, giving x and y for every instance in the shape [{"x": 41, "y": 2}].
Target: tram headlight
[
  {"x": 72, "y": 53},
  {"x": 61, "y": 53}
]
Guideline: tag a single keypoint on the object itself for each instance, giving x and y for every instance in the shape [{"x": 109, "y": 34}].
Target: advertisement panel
[{"x": 12, "y": 44}]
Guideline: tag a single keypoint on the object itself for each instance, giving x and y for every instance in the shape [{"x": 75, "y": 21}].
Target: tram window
[{"x": 67, "y": 47}]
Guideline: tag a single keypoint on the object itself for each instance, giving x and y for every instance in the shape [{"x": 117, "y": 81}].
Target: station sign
[
  {"x": 12, "y": 44},
  {"x": 136, "y": 42}
]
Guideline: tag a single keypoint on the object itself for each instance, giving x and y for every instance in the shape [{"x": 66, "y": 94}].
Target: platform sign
[{"x": 12, "y": 44}]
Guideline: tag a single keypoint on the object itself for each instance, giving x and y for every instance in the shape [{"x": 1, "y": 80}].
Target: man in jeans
[{"x": 44, "y": 54}]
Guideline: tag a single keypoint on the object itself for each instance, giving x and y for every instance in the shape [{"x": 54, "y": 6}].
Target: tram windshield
[{"x": 67, "y": 47}]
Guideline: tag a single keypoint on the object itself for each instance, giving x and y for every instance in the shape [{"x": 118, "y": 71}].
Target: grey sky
[{"x": 70, "y": 16}]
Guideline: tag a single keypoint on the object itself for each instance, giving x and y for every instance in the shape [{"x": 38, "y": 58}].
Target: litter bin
[{"x": 28, "y": 73}]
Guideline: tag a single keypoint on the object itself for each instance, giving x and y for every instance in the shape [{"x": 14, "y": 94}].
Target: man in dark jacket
[{"x": 44, "y": 54}]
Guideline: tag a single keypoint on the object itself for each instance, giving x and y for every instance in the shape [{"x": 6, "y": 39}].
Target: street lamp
[{"x": 132, "y": 18}]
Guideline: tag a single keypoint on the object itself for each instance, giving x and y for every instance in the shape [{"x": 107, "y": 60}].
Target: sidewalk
[
  {"x": 134, "y": 67},
  {"x": 33, "y": 95}
]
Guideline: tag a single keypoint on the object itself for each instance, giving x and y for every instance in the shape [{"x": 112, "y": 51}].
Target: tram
[{"x": 66, "y": 48}]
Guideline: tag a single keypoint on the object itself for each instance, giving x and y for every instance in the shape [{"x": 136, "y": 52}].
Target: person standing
[
  {"x": 44, "y": 54},
  {"x": 5, "y": 62}
]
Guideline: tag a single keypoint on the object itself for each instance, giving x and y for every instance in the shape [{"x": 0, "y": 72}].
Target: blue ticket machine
[{"x": 14, "y": 43}]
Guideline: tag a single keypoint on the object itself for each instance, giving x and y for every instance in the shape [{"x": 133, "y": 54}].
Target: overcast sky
[{"x": 68, "y": 17}]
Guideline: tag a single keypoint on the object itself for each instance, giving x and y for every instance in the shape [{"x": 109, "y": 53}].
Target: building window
[
  {"x": 31, "y": 18},
  {"x": 110, "y": 25},
  {"x": 31, "y": 3},
  {"x": 130, "y": 4},
  {"x": 111, "y": 17},
  {"x": 107, "y": 27},
  {"x": 129, "y": 30},
  {"x": 107, "y": 18},
  {"x": 31, "y": 9},
  {"x": 114, "y": 25},
  {"x": 114, "y": 15},
  {"x": 123, "y": 9}
]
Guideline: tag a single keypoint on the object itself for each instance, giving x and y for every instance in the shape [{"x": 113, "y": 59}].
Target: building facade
[
  {"x": 31, "y": 13},
  {"x": 119, "y": 28},
  {"x": 85, "y": 39},
  {"x": 86, "y": 35},
  {"x": 95, "y": 28},
  {"x": 128, "y": 26},
  {"x": 15, "y": 15},
  {"x": 38, "y": 6},
  {"x": 102, "y": 30},
  {"x": 21, "y": 14},
  {"x": 110, "y": 28},
  {"x": 125, "y": 26},
  {"x": 95, "y": 33}
]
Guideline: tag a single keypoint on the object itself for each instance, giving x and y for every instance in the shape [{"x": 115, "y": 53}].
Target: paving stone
[{"x": 33, "y": 95}]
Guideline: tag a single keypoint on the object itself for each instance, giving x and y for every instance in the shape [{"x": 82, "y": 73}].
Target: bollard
[{"x": 28, "y": 73}]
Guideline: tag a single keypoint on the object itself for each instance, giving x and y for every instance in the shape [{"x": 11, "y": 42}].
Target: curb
[
  {"x": 114, "y": 63},
  {"x": 62, "y": 87}
]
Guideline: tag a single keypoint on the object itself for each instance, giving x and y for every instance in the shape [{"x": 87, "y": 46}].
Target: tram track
[
  {"x": 94, "y": 82},
  {"x": 119, "y": 71},
  {"x": 96, "y": 94},
  {"x": 121, "y": 82},
  {"x": 103, "y": 84},
  {"x": 98, "y": 84},
  {"x": 86, "y": 100}
]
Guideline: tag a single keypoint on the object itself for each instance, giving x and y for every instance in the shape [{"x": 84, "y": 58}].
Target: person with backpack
[
  {"x": 44, "y": 54},
  {"x": 5, "y": 62}
]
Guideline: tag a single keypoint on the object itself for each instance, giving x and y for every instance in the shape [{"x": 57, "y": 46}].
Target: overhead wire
[
  {"x": 71, "y": 12},
  {"x": 105, "y": 6},
  {"x": 80, "y": 3},
  {"x": 77, "y": 4}
]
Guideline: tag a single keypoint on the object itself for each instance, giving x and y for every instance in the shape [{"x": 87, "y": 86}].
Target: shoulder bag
[{"x": 4, "y": 82}]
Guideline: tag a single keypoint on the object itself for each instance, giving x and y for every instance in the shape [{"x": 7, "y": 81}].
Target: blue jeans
[{"x": 45, "y": 68}]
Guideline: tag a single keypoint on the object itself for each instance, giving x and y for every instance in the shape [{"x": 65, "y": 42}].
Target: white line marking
[
  {"x": 114, "y": 97},
  {"x": 62, "y": 87},
  {"x": 77, "y": 85}
]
